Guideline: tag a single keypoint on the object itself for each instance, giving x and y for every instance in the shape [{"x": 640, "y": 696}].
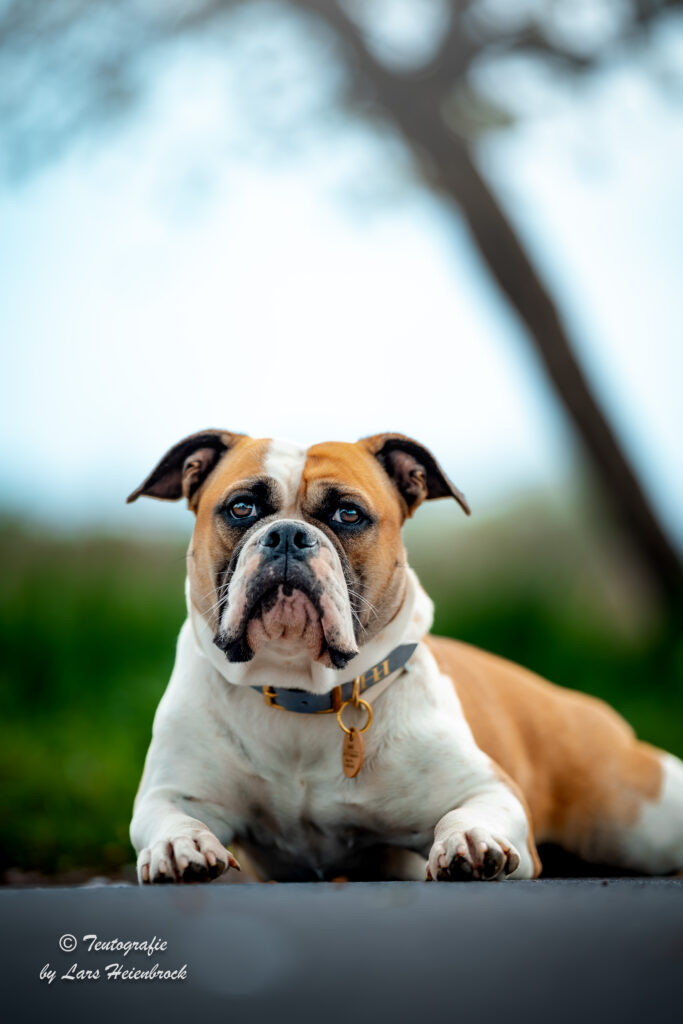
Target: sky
[{"x": 160, "y": 279}]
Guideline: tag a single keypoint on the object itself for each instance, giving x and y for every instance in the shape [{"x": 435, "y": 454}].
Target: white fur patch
[
  {"x": 655, "y": 843},
  {"x": 285, "y": 462}
]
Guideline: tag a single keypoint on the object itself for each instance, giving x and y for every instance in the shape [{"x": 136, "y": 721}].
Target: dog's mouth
[{"x": 290, "y": 614}]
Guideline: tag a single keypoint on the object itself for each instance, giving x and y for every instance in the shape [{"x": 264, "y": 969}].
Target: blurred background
[{"x": 321, "y": 219}]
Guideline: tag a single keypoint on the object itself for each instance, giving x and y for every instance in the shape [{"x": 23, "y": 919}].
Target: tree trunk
[
  {"x": 517, "y": 278},
  {"x": 458, "y": 178}
]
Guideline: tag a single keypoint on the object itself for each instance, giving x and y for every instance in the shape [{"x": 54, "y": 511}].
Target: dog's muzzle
[{"x": 288, "y": 585}]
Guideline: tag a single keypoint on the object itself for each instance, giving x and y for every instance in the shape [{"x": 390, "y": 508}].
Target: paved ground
[{"x": 551, "y": 951}]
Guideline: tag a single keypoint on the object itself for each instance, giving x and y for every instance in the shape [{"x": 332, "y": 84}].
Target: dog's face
[{"x": 297, "y": 549}]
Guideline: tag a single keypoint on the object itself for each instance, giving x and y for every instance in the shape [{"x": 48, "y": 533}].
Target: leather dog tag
[{"x": 353, "y": 753}]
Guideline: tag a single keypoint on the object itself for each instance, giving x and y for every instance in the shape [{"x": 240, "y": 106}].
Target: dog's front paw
[
  {"x": 196, "y": 857},
  {"x": 471, "y": 855}
]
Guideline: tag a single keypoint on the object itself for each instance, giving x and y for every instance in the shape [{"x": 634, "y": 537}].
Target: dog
[{"x": 312, "y": 722}]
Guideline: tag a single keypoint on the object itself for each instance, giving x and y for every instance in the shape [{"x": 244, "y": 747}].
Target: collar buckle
[{"x": 270, "y": 697}]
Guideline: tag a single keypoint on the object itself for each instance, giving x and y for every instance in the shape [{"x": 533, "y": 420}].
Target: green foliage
[
  {"x": 88, "y": 630},
  {"x": 88, "y": 633}
]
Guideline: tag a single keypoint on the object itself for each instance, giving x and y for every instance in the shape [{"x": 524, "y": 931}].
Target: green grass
[{"x": 88, "y": 630}]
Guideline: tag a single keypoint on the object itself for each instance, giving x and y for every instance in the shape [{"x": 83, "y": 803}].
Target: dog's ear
[
  {"x": 185, "y": 467},
  {"x": 414, "y": 470}
]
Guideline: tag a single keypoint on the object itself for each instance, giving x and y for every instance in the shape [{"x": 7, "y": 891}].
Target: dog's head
[{"x": 297, "y": 549}]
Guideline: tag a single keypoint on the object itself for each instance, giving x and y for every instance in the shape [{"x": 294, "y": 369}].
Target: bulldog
[{"x": 312, "y": 720}]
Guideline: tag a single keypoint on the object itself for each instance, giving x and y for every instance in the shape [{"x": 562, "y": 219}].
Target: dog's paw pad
[
  {"x": 459, "y": 869},
  {"x": 471, "y": 855}
]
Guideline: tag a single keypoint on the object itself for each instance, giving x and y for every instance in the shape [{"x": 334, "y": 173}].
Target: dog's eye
[
  {"x": 347, "y": 514},
  {"x": 242, "y": 510}
]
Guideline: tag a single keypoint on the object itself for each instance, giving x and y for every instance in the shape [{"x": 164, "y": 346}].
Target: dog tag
[{"x": 353, "y": 753}]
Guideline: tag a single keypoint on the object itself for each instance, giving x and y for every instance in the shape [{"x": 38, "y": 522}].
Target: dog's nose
[{"x": 289, "y": 538}]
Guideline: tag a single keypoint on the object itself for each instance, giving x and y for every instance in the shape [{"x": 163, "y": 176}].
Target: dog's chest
[
  {"x": 304, "y": 828},
  {"x": 297, "y": 806}
]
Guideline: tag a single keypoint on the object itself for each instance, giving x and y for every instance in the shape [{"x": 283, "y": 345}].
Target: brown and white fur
[{"x": 470, "y": 760}]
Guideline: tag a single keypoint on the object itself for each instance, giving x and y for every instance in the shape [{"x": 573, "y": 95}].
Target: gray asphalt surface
[{"x": 551, "y": 951}]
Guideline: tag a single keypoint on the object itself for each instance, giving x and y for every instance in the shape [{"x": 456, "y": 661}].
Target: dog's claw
[{"x": 195, "y": 857}]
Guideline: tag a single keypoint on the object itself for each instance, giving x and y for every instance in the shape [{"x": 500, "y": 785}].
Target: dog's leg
[
  {"x": 654, "y": 843},
  {"x": 179, "y": 831},
  {"x": 487, "y": 836},
  {"x": 176, "y": 847}
]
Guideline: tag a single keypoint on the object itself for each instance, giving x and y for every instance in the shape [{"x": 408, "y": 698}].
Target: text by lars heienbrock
[{"x": 96, "y": 949}]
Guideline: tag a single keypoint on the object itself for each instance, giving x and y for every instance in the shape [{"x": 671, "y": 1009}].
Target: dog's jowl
[{"x": 312, "y": 722}]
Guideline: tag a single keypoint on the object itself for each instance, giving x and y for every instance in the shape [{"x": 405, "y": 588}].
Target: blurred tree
[{"x": 73, "y": 64}]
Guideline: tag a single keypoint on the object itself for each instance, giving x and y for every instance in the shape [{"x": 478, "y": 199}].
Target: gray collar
[{"x": 306, "y": 703}]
